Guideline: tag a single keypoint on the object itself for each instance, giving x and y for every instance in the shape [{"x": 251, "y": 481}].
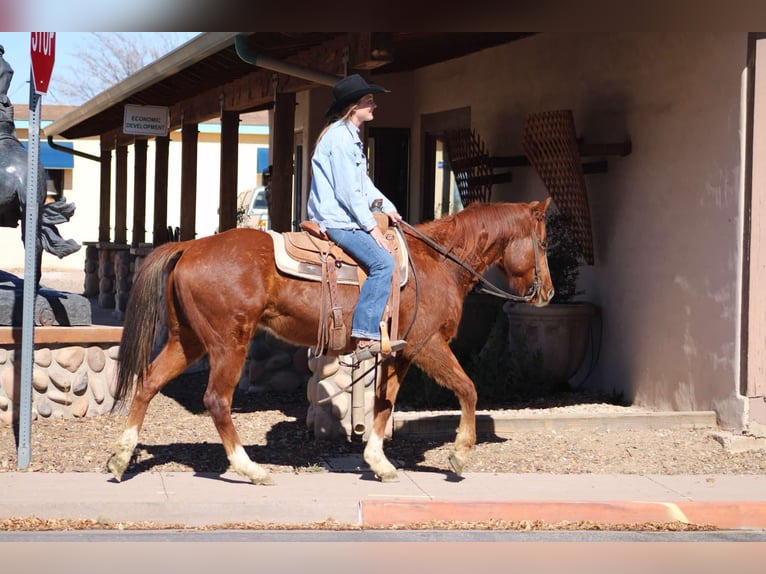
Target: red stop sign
[{"x": 43, "y": 54}]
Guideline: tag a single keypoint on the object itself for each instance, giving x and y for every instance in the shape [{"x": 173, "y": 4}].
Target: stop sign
[{"x": 43, "y": 53}]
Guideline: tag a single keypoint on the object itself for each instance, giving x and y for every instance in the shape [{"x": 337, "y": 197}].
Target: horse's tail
[{"x": 145, "y": 313}]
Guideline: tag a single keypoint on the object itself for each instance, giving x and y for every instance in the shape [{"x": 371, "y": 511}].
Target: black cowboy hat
[{"x": 349, "y": 90}]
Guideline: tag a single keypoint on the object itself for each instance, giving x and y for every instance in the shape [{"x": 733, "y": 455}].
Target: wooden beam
[
  {"x": 227, "y": 211},
  {"x": 190, "y": 136},
  {"x": 370, "y": 50},
  {"x": 484, "y": 180},
  {"x": 281, "y": 188},
  {"x": 594, "y": 150},
  {"x": 139, "y": 192},
  {"x": 256, "y": 90},
  {"x": 161, "y": 155},
  {"x": 121, "y": 195},
  {"x": 105, "y": 193}
]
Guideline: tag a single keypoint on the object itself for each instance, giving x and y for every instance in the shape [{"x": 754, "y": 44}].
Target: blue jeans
[{"x": 379, "y": 265}]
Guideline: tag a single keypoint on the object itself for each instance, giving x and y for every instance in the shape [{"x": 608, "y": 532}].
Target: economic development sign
[{"x": 146, "y": 120}]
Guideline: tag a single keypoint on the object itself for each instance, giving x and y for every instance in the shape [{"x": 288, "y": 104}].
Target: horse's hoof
[
  {"x": 264, "y": 481},
  {"x": 391, "y": 476},
  {"x": 115, "y": 468},
  {"x": 456, "y": 464}
]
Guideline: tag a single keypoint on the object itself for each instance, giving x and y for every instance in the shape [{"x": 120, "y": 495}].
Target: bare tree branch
[{"x": 108, "y": 59}]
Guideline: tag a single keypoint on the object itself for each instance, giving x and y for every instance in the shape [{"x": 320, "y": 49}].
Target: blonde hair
[{"x": 343, "y": 115}]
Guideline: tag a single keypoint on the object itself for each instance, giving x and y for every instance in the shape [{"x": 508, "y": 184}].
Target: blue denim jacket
[{"x": 341, "y": 191}]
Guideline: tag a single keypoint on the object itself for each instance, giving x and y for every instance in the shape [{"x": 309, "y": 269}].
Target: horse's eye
[{"x": 544, "y": 245}]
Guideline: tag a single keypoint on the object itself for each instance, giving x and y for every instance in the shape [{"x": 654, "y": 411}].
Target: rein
[{"x": 486, "y": 286}]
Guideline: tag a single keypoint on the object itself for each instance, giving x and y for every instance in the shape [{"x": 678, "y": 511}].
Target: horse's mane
[{"x": 478, "y": 225}]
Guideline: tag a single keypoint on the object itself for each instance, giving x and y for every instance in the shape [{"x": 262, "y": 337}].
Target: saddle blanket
[{"x": 347, "y": 274}]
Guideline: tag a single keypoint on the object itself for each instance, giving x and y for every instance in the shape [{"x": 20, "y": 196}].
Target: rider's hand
[{"x": 394, "y": 217}]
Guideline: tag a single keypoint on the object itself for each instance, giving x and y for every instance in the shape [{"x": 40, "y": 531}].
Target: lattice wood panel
[
  {"x": 550, "y": 143},
  {"x": 470, "y": 163}
]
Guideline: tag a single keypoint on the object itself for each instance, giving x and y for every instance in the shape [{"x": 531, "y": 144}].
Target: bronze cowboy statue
[{"x": 13, "y": 184}]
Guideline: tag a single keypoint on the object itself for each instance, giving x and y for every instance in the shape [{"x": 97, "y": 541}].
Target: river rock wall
[{"x": 67, "y": 381}]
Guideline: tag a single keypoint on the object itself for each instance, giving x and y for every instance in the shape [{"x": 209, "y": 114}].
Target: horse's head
[{"x": 524, "y": 262}]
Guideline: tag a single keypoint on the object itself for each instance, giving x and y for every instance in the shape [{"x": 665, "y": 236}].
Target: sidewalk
[{"x": 357, "y": 499}]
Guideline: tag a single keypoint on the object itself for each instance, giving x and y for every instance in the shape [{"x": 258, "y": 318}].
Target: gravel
[{"x": 178, "y": 435}]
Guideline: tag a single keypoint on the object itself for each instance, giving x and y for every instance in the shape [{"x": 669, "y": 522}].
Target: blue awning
[{"x": 54, "y": 159}]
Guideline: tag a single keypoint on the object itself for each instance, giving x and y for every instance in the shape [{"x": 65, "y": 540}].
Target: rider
[{"x": 341, "y": 199}]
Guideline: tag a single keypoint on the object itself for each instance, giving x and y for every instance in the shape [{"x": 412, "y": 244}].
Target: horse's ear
[{"x": 540, "y": 208}]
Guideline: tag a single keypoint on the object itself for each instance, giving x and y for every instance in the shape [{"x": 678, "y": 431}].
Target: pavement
[{"x": 357, "y": 499}]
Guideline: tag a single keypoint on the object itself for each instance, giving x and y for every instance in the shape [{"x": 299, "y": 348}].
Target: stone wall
[
  {"x": 74, "y": 381},
  {"x": 70, "y": 381}
]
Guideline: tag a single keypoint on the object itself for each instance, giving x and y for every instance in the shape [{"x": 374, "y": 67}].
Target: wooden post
[
  {"x": 105, "y": 194},
  {"x": 139, "y": 193},
  {"x": 121, "y": 195},
  {"x": 227, "y": 212},
  {"x": 281, "y": 189},
  {"x": 161, "y": 154},
  {"x": 190, "y": 135}
]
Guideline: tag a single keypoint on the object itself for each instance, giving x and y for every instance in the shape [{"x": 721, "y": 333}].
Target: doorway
[
  {"x": 388, "y": 152},
  {"x": 440, "y": 196}
]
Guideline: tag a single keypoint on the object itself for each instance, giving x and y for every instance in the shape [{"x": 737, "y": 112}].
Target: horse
[{"x": 210, "y": 294}]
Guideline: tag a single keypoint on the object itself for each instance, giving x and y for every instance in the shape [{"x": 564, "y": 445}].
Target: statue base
[{"x": 52, "y": 307}]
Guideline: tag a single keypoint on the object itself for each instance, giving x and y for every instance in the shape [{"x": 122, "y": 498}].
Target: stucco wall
[{"x": 665, "y": 218}]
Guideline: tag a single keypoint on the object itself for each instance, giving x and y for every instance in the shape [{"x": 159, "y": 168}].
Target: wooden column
[
  {"x": 160, "y": 226},
  {"x": 139, "y": 193},
  {"x": 121, "y": 195},
  {"x": 280, "y": 199},
  {"x": 227, "y": 212},
  {"x": 105, "y": 195},
  {"x": 190, "y": 135}
]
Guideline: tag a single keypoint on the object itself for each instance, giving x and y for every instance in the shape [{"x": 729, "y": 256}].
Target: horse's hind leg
[
  {"x": 169, "y": 363},
  {"x": 225, "y": 368}
]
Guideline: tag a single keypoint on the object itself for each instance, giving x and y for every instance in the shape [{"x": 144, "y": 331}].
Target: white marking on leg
[
  {"x": 124, "y": 447},
  {"x": 376, "y": 459},
  {"x": 128, "y": 441},
  {"x": 242, "y": 464}
]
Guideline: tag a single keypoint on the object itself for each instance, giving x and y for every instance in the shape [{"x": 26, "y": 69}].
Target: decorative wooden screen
[
  {"x": 470, "y": 163},
  {"x": 550, "y": 143}
]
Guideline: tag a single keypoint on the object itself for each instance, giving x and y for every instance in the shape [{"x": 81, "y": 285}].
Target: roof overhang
[
  {"x": 214, "y": 72},
  {"x": 193, "y": 51}
]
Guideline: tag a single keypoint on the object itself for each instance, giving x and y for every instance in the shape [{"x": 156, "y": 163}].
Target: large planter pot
[{"x": 559, "y": 332}]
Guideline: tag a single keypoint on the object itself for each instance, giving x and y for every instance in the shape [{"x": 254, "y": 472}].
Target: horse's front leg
[
  {"x": 224, "y": 374},
  {"x": 385, "y": 398},
  {"x": 437, "y": 360}
]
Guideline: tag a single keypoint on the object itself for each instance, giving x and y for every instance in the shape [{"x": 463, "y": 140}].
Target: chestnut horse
[{"x": 211, "y": 294}]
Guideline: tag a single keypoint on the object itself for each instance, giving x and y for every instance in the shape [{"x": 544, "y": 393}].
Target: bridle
[{"x": 484, "y": 285}]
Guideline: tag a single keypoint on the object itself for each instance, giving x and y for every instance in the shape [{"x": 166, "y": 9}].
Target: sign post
[{"x": 43, "y": 53}]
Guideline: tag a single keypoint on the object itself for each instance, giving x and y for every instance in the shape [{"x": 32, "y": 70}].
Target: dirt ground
[{"x": 179, "y": 435}]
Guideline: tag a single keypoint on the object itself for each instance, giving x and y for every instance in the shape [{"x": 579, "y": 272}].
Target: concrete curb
[{"x": 718, "y": 514}]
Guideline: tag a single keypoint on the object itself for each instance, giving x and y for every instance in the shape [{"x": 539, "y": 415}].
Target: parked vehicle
[{"x": 253, "y": 209}]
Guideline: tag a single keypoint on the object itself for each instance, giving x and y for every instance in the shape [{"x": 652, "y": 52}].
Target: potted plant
[{"x": 553, "y": 340}]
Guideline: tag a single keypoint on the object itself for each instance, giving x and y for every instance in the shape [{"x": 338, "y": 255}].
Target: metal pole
[{"x": 30, "y": 279}]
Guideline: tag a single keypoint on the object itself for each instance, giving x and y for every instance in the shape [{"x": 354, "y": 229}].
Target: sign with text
[
  {"x": 146, "y": 120},
  {"x": 42, "y": 53}
]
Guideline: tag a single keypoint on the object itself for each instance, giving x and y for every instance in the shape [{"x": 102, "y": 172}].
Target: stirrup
[{"x": 368, "y": 352}]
